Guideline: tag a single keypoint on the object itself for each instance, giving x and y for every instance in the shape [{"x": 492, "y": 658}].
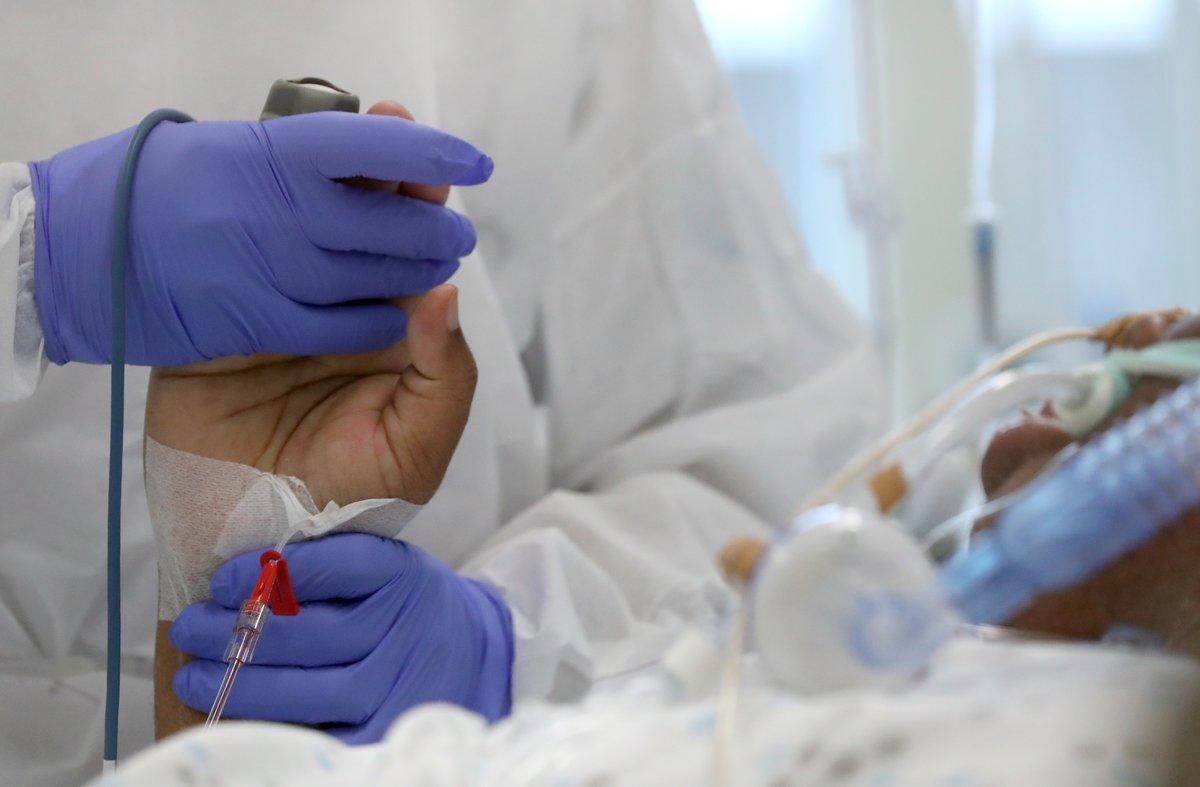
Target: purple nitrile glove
[
  {"x": 382, "y": 627},
  {"x": 242, "y": 240}
]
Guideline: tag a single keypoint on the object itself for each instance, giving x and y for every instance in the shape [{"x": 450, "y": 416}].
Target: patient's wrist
[{"x": 205, "y": 511}]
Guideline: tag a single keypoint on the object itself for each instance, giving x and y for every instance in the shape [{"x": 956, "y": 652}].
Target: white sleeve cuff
[{"x": 22, "y": 359}]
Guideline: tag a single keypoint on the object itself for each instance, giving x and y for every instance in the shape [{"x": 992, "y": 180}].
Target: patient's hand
[
  {"x": 380, "y": 424},
  {"x": 352, "y": 427}
]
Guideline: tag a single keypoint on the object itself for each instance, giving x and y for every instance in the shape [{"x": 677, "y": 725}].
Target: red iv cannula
[{"x": 272, "y": 593}]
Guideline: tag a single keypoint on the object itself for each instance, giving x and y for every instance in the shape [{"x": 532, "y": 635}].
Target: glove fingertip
[
  {"x": 480, "y": 172},
  {"x": 468, "y": 236},
  {"x": 228, "y": 586},
  {"x": 177, "y": 633},
  {"x": 441, "y": 273},
  {"x": 376, "y": 326},
  {"x": 185, "y": 688}
]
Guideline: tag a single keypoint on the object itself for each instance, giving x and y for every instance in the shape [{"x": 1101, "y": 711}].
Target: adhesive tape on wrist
[{"x": 205, "y": 511}]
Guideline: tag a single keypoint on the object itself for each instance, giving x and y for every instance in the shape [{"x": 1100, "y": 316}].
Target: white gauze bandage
[{"x": 205, "y": 511}]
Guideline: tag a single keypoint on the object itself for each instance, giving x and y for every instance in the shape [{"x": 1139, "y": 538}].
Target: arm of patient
[
  {"x": 228, "y": 441},
  {"x": 205, "y": 511},
  {"x": 228, "y": 444}
]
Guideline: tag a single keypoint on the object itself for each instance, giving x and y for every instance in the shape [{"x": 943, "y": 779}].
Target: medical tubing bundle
[
  {"x": 1108, "y": 499},
  {"x": 116, "y": 421},
  {"x": 1091, "y": 506},
  {"x": 1114, "y": 334},
  {"x": 875, "y": 452}
]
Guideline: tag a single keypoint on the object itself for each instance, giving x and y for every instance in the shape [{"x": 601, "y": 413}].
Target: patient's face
[{"x": 1155, "y": 587}]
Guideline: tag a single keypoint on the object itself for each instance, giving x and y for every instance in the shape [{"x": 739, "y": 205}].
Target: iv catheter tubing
[
  {"x": 873, "y": 453},
  {"x": 730, "y": 674},
  {"x": 727, "y": 699},
  {"x": 214, "y": 714},
  {"x": 116, "y": 419},
  {"x": 1004, "y": 391}
]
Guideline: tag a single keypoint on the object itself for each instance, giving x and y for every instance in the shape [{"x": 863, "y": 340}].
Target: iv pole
[
  {"x": 868, "y": 200},
  {"x": 981, "y": 212}
]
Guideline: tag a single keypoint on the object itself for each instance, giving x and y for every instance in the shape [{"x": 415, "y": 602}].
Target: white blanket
[{"x": 987, "y": 713}]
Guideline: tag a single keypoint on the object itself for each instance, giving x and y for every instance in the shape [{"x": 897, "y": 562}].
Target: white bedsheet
[{"x": 987, "y": 713}]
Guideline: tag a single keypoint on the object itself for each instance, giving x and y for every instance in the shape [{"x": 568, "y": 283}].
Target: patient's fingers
[
  {"x": 441, "y": 358},
  {"x": 430, "y": 406}
]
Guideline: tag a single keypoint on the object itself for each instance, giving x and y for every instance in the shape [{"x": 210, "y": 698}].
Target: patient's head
[{"x": 1156, "y": 587}]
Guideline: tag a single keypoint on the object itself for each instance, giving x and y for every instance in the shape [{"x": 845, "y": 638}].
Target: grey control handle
[{"x": 308, "y": 94}]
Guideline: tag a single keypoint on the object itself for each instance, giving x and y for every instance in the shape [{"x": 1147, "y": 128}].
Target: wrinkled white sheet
[{"x": 988, "y": 713}]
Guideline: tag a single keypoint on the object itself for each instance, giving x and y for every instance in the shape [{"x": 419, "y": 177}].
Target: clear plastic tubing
[{"x": 1108, "y": 499}]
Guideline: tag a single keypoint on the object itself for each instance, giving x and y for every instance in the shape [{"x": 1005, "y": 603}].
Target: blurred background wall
[{"x": 895, "y": 126}]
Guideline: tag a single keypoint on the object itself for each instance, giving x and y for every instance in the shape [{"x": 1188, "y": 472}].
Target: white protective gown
[{"x": 660, "y": 369}]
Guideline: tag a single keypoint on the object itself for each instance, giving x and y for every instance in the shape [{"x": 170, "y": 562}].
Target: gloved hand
[
  {"x": 242, "y": 240},
  {"x": 382, "y": 627}
]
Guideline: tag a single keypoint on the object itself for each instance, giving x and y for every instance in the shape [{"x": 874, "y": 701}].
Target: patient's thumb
[{"x": 440, "y": 380}]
